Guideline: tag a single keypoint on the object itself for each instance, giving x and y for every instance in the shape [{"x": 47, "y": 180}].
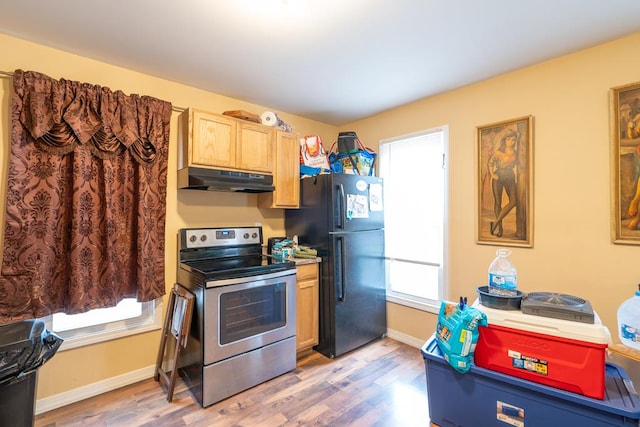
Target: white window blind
[
  {"x": 414, "y": 171},
  {"x": 129, "y": 317}
]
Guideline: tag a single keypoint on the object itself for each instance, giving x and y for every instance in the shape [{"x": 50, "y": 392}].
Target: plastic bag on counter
[
  {"x": 457, "y": 333},
  {"x": 285, "y": 248}
]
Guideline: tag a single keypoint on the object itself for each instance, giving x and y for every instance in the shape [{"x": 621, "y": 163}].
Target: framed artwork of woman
[
  {"x": 505, "y": 183},
  {"x": 625, "y": 164}
]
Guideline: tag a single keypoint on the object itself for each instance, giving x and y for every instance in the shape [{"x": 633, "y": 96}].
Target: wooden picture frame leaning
[
  {"x": 504, "y": 153},
  {"x": 625, "y": 163}
]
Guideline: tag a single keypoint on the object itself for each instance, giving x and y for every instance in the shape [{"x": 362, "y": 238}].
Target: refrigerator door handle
[
  {"x": 340, "y": 205},
  {"x": 341, "y": 274}
]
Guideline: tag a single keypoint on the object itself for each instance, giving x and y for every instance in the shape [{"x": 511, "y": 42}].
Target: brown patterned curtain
[{"x": 86, "y": 198}]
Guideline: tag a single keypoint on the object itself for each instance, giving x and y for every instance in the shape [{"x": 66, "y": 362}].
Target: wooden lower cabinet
[{"x": 307, "y": 308}]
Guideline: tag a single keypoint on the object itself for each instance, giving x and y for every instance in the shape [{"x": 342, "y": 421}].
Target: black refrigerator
[{"x": 342, "y": 216}]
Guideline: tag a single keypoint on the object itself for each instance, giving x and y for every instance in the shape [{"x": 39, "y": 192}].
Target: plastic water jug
[
  {"x": 629, "y": 321},
  {"x": 503, "y": 278}
]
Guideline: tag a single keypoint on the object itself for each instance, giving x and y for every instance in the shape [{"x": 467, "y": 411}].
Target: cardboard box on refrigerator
[{"x": 560, "y": 353}]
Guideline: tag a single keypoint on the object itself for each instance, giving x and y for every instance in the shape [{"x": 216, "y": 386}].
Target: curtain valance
[
  {"x": 82, "y": 230},
  {"x": 60, "y": 114}
]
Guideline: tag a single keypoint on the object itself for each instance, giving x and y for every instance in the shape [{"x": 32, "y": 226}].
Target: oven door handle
[
  {"x": 342, "y": 268},
  {"x": 238, "y": 280}
]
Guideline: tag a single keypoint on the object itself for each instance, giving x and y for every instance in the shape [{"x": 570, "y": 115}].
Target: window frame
[
  {"x": 419, "y": 303},
  {"x": 150, "y": 319}
]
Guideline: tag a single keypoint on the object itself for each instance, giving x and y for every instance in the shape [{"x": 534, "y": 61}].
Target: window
[
  {"x": 127, "y": 318},
  {"x": 415, "y": 178}
]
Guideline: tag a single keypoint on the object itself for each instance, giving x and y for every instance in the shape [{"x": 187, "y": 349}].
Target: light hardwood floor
[{"x": 380, "y": 384}]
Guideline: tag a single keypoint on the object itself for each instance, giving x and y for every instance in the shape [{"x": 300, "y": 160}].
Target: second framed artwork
[
  {"x": 625, "y": 166},
  {"x": 504, "y": 153}
]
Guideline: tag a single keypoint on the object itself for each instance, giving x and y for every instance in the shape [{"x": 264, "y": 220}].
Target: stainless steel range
[{"x": 244, "y": 325}]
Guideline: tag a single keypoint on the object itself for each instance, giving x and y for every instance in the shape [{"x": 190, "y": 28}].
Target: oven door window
[{"x": 250, "y": 312}]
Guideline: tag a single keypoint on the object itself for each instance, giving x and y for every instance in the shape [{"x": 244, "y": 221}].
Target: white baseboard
[
  {"x": 406, "y": 339},
  {"x": 77, "y": 394}
]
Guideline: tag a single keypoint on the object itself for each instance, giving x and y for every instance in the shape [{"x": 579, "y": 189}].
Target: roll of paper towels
[{"x": 269, "y": 118}]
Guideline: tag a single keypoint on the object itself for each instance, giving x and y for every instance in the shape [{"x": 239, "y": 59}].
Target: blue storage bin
[{"x": 486, "y": 398}]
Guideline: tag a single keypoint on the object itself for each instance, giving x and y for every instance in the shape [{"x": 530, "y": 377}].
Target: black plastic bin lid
[{"x": 24, "y": 347}]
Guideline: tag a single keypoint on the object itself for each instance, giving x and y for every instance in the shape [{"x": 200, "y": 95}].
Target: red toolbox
[{"x": 559, "y": 353}]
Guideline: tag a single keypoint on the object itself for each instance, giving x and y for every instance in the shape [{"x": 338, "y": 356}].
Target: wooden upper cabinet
[
  {"x": 206, "y": 139},
  {"x": 218, "y": 141},
  {"x": 255, "y": 147},
  {"x": 286, "y": 173}
]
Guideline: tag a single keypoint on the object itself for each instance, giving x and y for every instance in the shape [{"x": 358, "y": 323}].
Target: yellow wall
[
  {"x": 80, "y": 367},
  {"x": 572, "y": 253}
]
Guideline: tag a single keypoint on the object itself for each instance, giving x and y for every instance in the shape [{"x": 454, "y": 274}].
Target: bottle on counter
[
  {"x": 629, "y": 321},
  {"x": 503, "y": 277}
]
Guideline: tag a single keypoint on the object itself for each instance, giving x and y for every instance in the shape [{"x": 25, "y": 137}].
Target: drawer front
[{"x": 307, "y": 272}]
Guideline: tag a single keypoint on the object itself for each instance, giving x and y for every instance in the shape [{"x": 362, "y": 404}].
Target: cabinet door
[
  {"x": 286, "y": 173},
  {"x": 307, "y": 306},
  {"x": 255, "y": 147},
  {"x": 214, "y": 140}
]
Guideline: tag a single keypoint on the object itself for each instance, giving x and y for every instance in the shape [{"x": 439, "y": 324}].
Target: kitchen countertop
[
  {"x": 302, "y": 261},
  {"x": 299, "y": 261}
]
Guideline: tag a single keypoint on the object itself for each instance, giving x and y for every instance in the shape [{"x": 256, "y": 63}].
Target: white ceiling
[{"x": 334, "y": 61}]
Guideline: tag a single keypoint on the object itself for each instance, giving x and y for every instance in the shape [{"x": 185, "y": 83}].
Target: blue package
[{"x": 457, "y": 333}]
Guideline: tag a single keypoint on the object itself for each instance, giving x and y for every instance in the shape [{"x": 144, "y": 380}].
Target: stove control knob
[
  {"x": 193, "y": 238},
  {"x": 203, "y": 238},
  {"x": 246, "y": 235},
  {"x": 254, "y": 235}
]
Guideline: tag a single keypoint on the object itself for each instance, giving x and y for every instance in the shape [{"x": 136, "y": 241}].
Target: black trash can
[{"x": 24, "y": 347}]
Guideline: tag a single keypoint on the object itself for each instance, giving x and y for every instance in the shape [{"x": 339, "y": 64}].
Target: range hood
[{"x": 223, "y": 180}]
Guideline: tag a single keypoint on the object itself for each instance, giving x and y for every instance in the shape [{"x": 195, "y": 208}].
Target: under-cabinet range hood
[{"x": 223, "y": 180}]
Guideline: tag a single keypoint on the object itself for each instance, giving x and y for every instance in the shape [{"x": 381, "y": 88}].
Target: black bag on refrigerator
[{"x": 347, "y": 142}]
